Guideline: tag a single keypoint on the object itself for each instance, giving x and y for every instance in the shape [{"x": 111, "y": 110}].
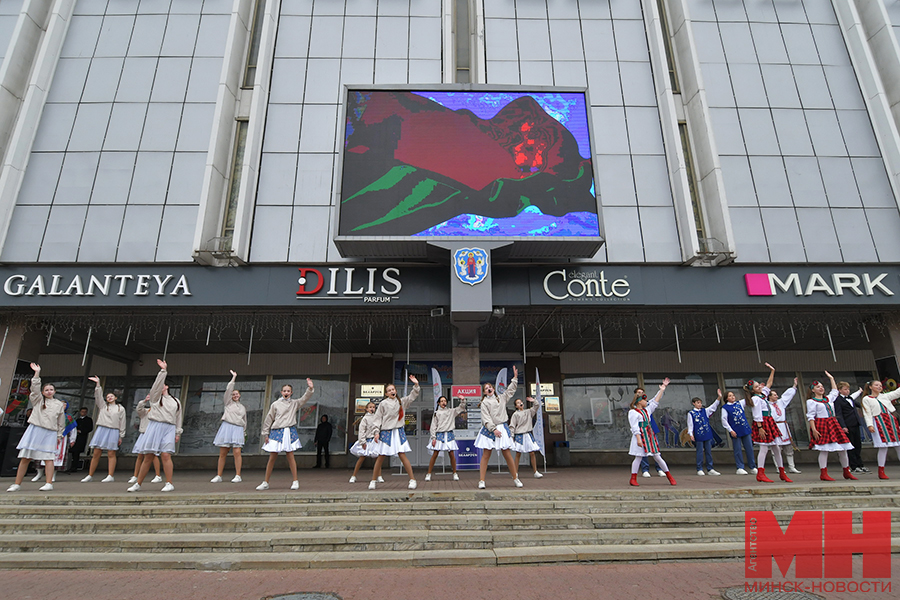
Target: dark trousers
[
  {"x": 322, "y": 449},
  {"x": 854, "y": 454}
]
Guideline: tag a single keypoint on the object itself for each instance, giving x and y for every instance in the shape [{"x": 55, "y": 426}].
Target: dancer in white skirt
[
  {"x": 279, "y": 431},
  {"x": 365, "y": 444},
  {"x": 495, "y": 433},
  {"x": 62, "y": 447},
  {"x": 643, "y": 440},
  {"x": 521, "y": 424},
  {"x": 231, "y": 431},
  {"x": 108, "y": 434},
  {"x": 443, "y": 438},
  {"x": 163, "y": 431},
  {"x": 143, "y": 412},
  {"x": 879, "y": 413},
  {"x": 390, "y": 436},
  {"x": 826, "y": 428},
  {"x": 45, "y": 429},
  {"x": 778, "y": 411}
]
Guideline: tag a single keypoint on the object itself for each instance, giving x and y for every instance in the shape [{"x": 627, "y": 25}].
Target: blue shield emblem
[{"x": 471, "y": 265}]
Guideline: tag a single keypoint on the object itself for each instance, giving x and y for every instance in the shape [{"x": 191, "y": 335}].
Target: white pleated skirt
[
  {"x": 158, "y": 439},
  {"x": 38, "y": 443},
  {"x": 396, "y": 444},
  {"x": 831, "y": 447},
  {"x": 105, "y": 438},
  {"x": 527, "y": 444},
  {"x": 370, "y": 450},
  {"x": 139, "y": 444},
  {"x": 229, "y": 436},
  {"x": 283, "y": 440},
  {"x": 504, "y": 442}
]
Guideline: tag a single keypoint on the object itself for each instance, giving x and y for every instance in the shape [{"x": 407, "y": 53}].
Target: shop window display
[
  {"x": 596, "y": 411},
  {"x": 203, "y": 408},
  {"x": 330, "y": 398}
]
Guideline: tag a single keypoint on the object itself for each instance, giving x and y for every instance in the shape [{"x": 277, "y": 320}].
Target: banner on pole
[
  {"x": 539, "y": 423},
  {"x": 436, "y": 383}
]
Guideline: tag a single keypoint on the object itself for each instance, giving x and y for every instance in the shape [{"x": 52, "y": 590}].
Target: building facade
[{"x": 172, "y": 174}]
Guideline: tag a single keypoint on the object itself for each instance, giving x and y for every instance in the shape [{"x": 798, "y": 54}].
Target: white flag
[
  {"x": 539, "y": 423},
  {"x": 436, "y": 382},
  {"x": 500, "y": 384}
]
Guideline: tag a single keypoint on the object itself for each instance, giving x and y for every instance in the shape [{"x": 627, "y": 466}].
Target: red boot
[
  {"x": 881, "y": 473},
  {"x": 848, "y": 474},
  {"x": 634, "y": 480},
  {"x": 824, "y": 475},
  {"x": 671, "y": 479},
  {"x": 783, "y": 475},
  {"x": 761, "y": 475}
]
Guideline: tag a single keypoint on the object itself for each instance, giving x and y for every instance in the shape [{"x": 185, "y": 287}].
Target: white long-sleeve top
[
  {"x": 875, "y": 405},
  {"x": 48, "y": 413},
  {"x": 725, "y": 422},
  {"x": 522, "y": 421},
  {"x": 109, "y": 415},
  {"x": 165, "y": 408},
  {"x": 283, "y": 413},
  {"x": 760, "y": 404},
  {"x": 366, "y": 427},
  {"x": 778, "y": 409},
  {"x": 387, "y": 416},
  {"x": 817, "y": 410},
  {"x": 709, "y": 410},
  {"x": 235, "y": 412},
  {"x": 493, "y": 408},
  {"x": 444, "y": 419}
]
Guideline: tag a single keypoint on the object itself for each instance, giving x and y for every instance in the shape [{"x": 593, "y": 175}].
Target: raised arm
[
  {"x": 535, "y": 404},
  {"x": 306, "y": 395},
  {"x": 662, "y": 389},
  {"x": 34, "y": 394},
  {"x": 771, "y": 378},
  {"x": 511, "y": 388},
  {"x": 831, "y": 380},
  {"x": 230, "y": 388},
  {"x": 156, "y": 390},
  {"x": 405, "y": 401},
  {"x": 789, "y": 394},
  {"x": 461, "y": 408}
]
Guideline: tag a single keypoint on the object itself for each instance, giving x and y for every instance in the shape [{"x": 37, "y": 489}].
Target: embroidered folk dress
[
  {"x": 832, "y": 437},
  {"x": 879, "y": 412},
  {"x": 639, "y": 419}
]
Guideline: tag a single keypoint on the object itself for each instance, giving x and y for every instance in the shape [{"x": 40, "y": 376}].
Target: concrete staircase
[{"x": 291, "y": 530}]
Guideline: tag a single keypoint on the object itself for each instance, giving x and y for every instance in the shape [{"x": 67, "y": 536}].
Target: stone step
[
  {"x": 178, "y": 509},
  {"x": 567, "y": 521}
]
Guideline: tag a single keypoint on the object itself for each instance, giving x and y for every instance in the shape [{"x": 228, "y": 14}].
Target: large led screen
[{"x": 467, "y": 164}]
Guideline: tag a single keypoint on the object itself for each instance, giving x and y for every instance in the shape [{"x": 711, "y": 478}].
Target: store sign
[
  {"x": 770, "y": 284},
  {"x": 546, "y": 389},
  {"x": 125, "y": 284},
  {"x": 370, "y": 390},
  {"x": 466, "y": 391},
  {"x": 594, "y": 285},
  {"x": 370, "y": 285}
]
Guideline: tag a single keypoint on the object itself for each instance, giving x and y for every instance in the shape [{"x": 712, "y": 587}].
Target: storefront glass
[
  {"x": 596, "y": 411},
  {"x": 204, "y": 405},
  {"x": 330, "y": 398}
]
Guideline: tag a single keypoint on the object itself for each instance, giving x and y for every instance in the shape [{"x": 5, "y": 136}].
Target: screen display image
[{"x": 467, "y": 164}]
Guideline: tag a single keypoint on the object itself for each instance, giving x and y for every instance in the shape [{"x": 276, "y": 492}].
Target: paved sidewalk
[
  {"x": 661, "y": 581},
  {"x": 336, "y": 480}
]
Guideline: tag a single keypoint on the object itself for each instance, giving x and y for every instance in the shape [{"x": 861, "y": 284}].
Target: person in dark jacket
[
  {"x": 846, "y": 404},
  {"x": 85, "y": 425},
  {"x": 323, "y": 437}
]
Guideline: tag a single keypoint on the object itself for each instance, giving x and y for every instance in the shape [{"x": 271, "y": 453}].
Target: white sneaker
[
  {"x": 646, "y": 474},
  {"x": 216, "y": 479},
  {"x": 795, "y": 470},
  {"x": 714, "y": 472},
  {"x": 86, "y": 479},
  {"x": 538, "y": 474},
  {"x": 380, "y": 479},
  {"x": 480, "y": 485},
  {"x": 427, "y": 476},
  {"x": 518, "y": 483},
  {"x": 741, "y": 472},
  {"x": 237, "y": 479},
  {"x": 295, "y": 485},
  {"x": 701, "y": 473},
  {"x": 168, "y": 488},
  {"x": 156, "y": 479},
  {"x": 38, "y": 475},
  {"x": 263, "y": 486},
  {"x": 456, "y": 477},
  {"x": 14, "y": 488},
  {"x": 353, "y": 479},
  {"x": 412, "y": 484},
  {"x": 133, "y": 479},
  {"x": 661, "y": 473},
  {"x": 754, "y": 471},
  {"x": 108, "y": 479},
  {"x": 135, "y": 488},
  {"x": 372, "y": 485},
  {"x": 47, "y": 487}
]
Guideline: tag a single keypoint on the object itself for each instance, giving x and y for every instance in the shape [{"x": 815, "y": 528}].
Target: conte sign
[{"x": 466, "y": 163}]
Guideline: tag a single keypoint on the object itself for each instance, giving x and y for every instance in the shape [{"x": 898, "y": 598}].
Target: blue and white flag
[
  {"x": 539, "y": 423},
  {"x": 436, "y": 383},
  {"x": 500, "y": 384}
]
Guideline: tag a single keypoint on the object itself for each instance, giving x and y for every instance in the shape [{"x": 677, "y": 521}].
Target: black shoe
[
  {"x": 864, "y": 470},
  {"x": 316, "y": 467}
]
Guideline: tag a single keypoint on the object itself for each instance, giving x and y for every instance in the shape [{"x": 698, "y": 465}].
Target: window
[
  {"x": 596, "y": 411},
  {"x": 330, "y": 398},
  {"x": 203, "y": 407}
]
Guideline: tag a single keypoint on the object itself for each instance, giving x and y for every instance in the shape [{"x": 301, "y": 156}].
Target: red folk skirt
[
  {"x": 830, "y": 432},
  {"x": 767, "y": 433}
]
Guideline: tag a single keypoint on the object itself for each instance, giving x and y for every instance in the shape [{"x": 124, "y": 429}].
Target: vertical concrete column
[
  {"x": 19, "y": 344},
  {"x": 466, "y": 365}
]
